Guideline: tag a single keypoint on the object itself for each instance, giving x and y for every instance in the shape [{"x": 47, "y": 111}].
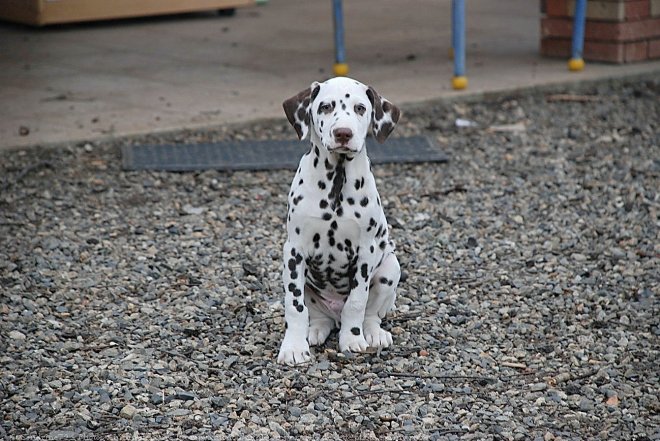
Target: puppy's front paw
[
  {"x": 293, "y": 352},
  {"x": 318, "y": 333},
  {"x": 351, "y": 342},
  {"x": 377, "y": 337}
]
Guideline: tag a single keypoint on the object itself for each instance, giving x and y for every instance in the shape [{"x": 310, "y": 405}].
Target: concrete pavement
[{"x": 97, "y": 80}]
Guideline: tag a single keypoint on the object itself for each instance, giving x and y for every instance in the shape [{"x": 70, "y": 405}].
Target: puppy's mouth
[{"x": 342, "y": 148}]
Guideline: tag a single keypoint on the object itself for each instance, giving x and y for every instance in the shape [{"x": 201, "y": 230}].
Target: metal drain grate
[{"x": 264, "y": 155}]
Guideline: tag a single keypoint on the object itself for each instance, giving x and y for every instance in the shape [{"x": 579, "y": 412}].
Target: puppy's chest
[
  {"x": 337, "y": 221},
  {"x": 342, "y": 207}
]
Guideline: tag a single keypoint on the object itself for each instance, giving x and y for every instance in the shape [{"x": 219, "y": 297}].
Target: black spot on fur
[
  {"x": 292, "y": 264},
  {"x": 321, "y": 185},
  {"x": 334, "y": 225},
  {"x": 371, "y": 249},
  {"x": 316, "y": 162},
  {"x": 323, "y": 204},
  {"x": 297, "y": 293},
  {"x": 338, "y": 180},
  {"x": 358, "y": 215},
  {"x": 364, "y": 270},
  {"x": 297, "y": 230},
  {"x": 326, "y": 216},
  {"x": 350, "y": 201},
  {"x": 383, "y": 280},
  {"x": 300, "y": 308},
  {"x": 340, "y": 212},
  {"x": 355, "y": 331},
  {"x": 365, "y": 201}
]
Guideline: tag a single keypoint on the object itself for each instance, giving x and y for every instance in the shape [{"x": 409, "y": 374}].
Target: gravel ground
[{"x": 144, "y": 305}]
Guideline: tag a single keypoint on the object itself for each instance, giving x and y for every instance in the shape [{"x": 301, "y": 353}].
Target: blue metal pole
[
  {"x": 340, "y": 68},
  {"x": 576, "y": 63},
  {"x": 458, "y": 43}
]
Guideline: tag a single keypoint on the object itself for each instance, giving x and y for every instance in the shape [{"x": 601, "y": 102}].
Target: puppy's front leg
[
  {"x": 295, "y": 348},
  {"x": 351, "y": 335}
]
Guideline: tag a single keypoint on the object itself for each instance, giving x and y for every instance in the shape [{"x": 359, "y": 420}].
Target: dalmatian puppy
[{"x": 340, "y": 269}]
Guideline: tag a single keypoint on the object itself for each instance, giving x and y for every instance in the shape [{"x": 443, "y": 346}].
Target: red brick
[
  {"x": 601, "y": 30},
  {"x": 636, "y": 51},
  {"x": 638, "y": 9},
  {"x": 604, "y": 51},
  {"x": 654, "y": 49},
  {"x": 556, "y": 27},
  {"x": 557, "y": 8},
  {"x": 555, "y": 47},
  {"x": 610, "y": 52}
]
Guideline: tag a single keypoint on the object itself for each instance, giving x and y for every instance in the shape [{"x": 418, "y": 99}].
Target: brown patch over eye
[
  {"x": 326, "y": 107},
  {"x": 360, "y": 109}
]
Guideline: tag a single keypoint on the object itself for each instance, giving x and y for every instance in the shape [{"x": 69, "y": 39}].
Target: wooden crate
[{"x": 45, "y": 12}]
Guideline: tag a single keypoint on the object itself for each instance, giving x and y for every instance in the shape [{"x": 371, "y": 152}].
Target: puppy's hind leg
[{"x": 382, "y": 296}]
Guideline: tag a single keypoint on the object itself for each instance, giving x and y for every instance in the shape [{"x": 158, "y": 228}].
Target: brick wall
[{"x": 617, "y": 31}]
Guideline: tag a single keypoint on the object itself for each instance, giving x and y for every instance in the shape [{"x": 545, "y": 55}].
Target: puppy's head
[{"x": 339, "y": 113}]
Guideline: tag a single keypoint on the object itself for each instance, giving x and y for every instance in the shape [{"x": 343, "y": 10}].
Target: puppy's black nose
[{"x": 342, "y": 135}]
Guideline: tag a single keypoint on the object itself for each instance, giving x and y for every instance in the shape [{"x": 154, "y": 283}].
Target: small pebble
[
  {"x": 128, "y": 412},
  {"x": 16, "y": 335}
]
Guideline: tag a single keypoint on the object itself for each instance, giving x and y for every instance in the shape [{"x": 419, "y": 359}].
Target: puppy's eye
[
  {"x": 325, "y": 108},
  {"x": 360, "y": 109}
]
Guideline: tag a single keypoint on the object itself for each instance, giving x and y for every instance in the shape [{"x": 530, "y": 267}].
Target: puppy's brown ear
[
  {"x": 297, "y": 109},
  {"x": 384, "y": 115}
]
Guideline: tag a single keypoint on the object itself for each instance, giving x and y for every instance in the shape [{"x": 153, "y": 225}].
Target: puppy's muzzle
[{"x": 342, "y": 137}]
